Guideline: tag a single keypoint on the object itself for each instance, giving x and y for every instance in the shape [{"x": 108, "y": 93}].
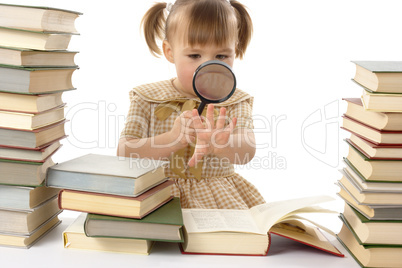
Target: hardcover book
[
  {"x": 114, "y": 205},
  {"x": 370, "y": 255},
  {"x": 10, "y": 37},
  {"x": 29, "y": 103},
  {"x": 74, "y": 238},
  {"x": 107, "y": 174},
  {"x": 375, "y": 170},
  {"x": 24, "y": 198},
  {"x": 30, "y": 121},
  {"x": 27, "y": 241},
  {"x": 24, "y": 173},
  {"x": 37, "y": 138},
  {"x": 377, "y": 120},
  {"x": 247, "y": 232},
  {"x": 35, "y": 80},
  {"x": 164, "y": 224},
  {"x": 380, "y": 76},
  {"x": 37, "y": 18},
  {"x": 376, "y": 136},
  {"x": 36, "y": 58},
  {"x": 372, "y": 212},
  {"x": 372, "y": 232},
  {"x": 26, "y": 222}
]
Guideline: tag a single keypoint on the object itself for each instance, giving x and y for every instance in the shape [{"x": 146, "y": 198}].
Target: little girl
[{"x": 163, "y": 123}]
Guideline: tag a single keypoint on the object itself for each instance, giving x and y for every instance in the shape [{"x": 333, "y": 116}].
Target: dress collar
[{"x": 164, "y": 91}]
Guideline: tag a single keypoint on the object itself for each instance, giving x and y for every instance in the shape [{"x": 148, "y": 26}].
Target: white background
[{"x": 297, "y": 67}]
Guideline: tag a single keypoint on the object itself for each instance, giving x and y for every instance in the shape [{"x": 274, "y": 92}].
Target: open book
[{"x": 247, "y": 232}]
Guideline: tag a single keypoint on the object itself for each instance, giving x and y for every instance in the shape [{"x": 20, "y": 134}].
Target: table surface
[{"x": 49, "y": 252}]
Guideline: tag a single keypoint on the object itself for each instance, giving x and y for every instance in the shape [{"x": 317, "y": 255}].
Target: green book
[
  {"x": 23, "y": 173},
  {"x": 369, "y": 255},
  {"x": 38, "y": 18},
  {"x": 164, "y": 224},
  {"x": 17, "y": 79},
  {"x": 379, "y": 76}
]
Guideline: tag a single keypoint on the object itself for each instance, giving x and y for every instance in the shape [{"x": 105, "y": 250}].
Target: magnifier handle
[{"x": 201, "y": 107}]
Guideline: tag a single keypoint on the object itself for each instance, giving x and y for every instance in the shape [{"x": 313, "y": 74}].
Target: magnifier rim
[{"x": 211, "y": 62}]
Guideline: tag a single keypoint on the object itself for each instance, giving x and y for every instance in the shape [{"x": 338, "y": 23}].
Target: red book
[
  {"x": 376, "y": 136},
  {"x": 376, "y": 152}
]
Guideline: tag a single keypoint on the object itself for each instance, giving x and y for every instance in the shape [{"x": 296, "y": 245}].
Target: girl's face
[{"x": 187, "y": 58}]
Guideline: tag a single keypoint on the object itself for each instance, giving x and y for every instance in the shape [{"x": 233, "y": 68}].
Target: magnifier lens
[{"x": 213, "y": 82}]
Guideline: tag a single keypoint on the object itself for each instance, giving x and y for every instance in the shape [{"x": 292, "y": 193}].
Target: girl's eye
[
  {"x": 221, "y": 57},
  {"x": 194, "y": 56}
]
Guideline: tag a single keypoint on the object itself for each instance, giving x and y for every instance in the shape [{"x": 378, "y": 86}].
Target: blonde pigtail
[
  {"x": 153, "y": 24},
  {"x": 245, "y": 28}
]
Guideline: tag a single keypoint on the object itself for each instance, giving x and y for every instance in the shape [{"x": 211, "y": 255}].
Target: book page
[
  {"x": 218, "y": 220},
  {"x": 266, "y": 215}
]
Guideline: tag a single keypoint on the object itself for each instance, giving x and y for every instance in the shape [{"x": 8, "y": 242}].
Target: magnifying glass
[{"x": 213, "y": 82}]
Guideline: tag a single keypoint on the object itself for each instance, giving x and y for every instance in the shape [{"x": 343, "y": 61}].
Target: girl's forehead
[{"x": 200, "y": 32}]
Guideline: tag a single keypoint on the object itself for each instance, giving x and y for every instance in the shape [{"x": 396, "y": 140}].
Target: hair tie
[{"x": 169, "y": 7}]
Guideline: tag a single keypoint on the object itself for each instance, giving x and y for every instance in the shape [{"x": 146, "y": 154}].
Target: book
[
  {"x": 383, "y": 187},
  {"x": 379, "y": 76},
  {"x": 370, "y": 256},
  {"x": 37, "y": 138},
  {"x": 372, "y": 231},
  {"x": 36, "y": 58},
  {"x": 382, "y": 102},
  {"x": 114, "y": 205},
  {"x": 33, "y": 39},
  {"x": 366, "y": 197},
  {"x": 164, "y": 224},
  {"x": 26, "y": 241},
  {"x": 372, "y": 212},
  {"x": 74, "y": 238},
  {"x": 38, "y": 18},
  {"x": 376, "y": 136},
  {"x": 28, "y": 103},
  {"x": 24, "y": 198},
  {"x": 24, "y": 173},
  {"x": 374, "y": 151},
  {"x": 35, "y": 80},
  {"x": 375, "y": 170},
  {"x": 40, "y": 154},
  {"x": 30, "y": 121},
  {"x": 247, "y": 232},
  {"x": 107, "y": 174},
  {"x": 377, "y": 120},
  {"x": 26, "y": 222}
]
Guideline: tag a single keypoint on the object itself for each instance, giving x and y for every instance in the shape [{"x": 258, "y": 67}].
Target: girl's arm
[
  {"x": 241, "y": 147},
  {"x": 230, "y": 145},
  {"x": 161, "y": 146}
]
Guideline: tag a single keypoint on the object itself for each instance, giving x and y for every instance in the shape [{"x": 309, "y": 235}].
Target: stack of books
[
  {"x": 127, "y": 203},
  {"x": 35, "y": 69},
  {"x": 371, "y": 185}
]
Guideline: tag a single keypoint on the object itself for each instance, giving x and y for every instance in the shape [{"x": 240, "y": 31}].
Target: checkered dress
[{"x": 220, "y": 186}]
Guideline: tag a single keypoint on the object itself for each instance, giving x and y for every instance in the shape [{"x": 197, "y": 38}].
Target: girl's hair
[{"x": 216, "y": 21}]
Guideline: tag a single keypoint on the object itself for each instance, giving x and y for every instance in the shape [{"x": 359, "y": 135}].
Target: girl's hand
[
  {"x": 182, "y": 132},
  {"x": 210, "y": 137}
]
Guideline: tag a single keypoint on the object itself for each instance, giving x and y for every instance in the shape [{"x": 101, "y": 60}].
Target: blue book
[{"x": 107, "y": 174}]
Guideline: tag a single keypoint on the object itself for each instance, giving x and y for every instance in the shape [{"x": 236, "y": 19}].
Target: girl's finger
[
  {"x": 210, "y": 116},
  {"x": 197, "y": 124},
  {"x": 231, "y": 125},
  {"x": 195, "y": 159},
  {"x": 220, "y": 122}
]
